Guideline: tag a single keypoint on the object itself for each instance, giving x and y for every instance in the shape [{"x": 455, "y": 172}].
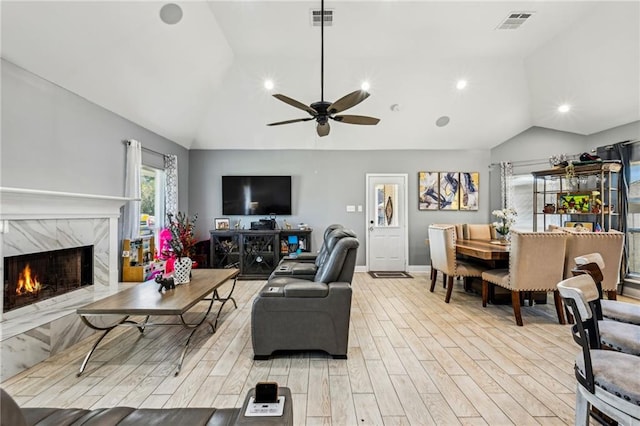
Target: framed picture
[
  {"x": 469, "y": 190},
  {"x": 575, "y": 202},
  {"x": 428, "y": 190},
  {"x": 221, "y": 223},
  {"x": 449, "y": 187},
  {"x": 585, "y": 225}
]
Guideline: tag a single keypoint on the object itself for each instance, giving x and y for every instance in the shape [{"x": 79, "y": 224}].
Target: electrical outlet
[
  {"x": 359, "y": 208},
  {"x": 351, "y": 209},
  {"x": 126, "y": 253}
]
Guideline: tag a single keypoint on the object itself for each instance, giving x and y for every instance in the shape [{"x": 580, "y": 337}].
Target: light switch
[
  {"x": 360, "y": 208},
  {"x": 351, "y": 209}
]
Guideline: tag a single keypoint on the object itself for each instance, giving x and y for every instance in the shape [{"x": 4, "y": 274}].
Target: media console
[{"x": 256, "y": 252}]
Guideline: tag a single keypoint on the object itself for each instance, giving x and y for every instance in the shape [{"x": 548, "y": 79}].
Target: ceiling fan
[{"x": 324, "y": 111}]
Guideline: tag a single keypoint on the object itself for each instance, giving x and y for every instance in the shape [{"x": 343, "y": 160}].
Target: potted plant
[
  {"x": 182, "y": 244},
  {"x": 506, "y": 219}
]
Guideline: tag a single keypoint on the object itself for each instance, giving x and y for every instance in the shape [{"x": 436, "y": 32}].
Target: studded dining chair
[
  {"x": 606, "y": 380},
  {"x": 608, "y": 244},
  {"x": 536, "y": 263},
  {"x": 442, "y": 241}
]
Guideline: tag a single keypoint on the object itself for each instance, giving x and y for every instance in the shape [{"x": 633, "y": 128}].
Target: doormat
[{"x": 389, "y": 274}]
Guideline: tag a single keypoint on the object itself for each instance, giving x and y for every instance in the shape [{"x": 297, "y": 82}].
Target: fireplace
[{"x": 33, "y": 277}]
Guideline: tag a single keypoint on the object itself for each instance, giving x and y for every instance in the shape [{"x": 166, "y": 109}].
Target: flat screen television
[{"x": 256, "y": 195}]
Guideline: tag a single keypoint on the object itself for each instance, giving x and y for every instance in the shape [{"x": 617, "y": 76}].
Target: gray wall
[
  {"x": 55, "y": 140},
  {"x": 325, "y": 182},
  {"x": 626, "y": 132},
  {"x": 530, "y": 150}
]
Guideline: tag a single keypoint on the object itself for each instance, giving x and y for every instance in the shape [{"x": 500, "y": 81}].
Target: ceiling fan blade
[
  {"x": 297, "y": 120},
  {"x": 357, "y": 119},
  {"x": 297, "y": 104},
  {"x": 348, "y": 101},
  {"x": 323, "y": 129}
]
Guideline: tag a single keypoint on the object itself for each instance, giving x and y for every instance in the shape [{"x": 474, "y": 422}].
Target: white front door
[{"x": 387, "y": 239}]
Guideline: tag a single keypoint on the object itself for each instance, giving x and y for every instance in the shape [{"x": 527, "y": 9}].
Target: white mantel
[{"x": 22, "y": 203}]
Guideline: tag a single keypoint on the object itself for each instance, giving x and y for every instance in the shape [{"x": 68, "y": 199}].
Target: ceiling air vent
[
  {"x": 515, "y": 20},
  {"x": 316, "y": 14}
]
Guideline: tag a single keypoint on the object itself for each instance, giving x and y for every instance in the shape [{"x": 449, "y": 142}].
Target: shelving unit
[
  {"x": 225, "y": 249},
  {"x": 137, "y": 259},
  {"x": 560, "y": 197},
  {"x": 256, "y": 252}
]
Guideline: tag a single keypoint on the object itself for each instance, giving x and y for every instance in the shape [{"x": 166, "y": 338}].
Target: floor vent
[
  {"x": 316, "y": 14},
  {"x": 515, "y": 20}
]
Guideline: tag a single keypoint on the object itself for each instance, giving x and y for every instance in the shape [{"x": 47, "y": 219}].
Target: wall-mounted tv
[{"x": 256, "y": 195}]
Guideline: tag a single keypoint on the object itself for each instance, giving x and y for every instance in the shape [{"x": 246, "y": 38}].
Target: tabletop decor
[
  {"x": 182, "y": 244},
  {"x": 506, "y": 219}
]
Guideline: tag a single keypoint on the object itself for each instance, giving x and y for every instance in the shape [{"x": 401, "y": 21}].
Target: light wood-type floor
[{"x": 412, "y": 360}]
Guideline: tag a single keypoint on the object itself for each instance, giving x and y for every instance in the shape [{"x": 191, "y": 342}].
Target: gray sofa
[
  {"x": 291, "y": 313},
  {"x": 306, "y": 270},
  {"x": 13, "y": 415}
]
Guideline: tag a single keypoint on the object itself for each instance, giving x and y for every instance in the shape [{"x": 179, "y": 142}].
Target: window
[
  {"x": 633, "y": 221},
  {"x": 151, "y": 205}
]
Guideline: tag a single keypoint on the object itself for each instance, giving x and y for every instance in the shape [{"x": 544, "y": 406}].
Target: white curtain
[
  {"x": 506, "y": 184},
  {"x": 171, "y": 176},
  {"x": 131, "y": 221}
]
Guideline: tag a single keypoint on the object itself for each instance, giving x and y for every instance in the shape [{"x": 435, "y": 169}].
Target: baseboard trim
[{"x": 410, "y": 268}]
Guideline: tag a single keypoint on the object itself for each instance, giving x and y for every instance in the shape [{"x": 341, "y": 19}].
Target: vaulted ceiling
[{"x": 200, "y": 82}]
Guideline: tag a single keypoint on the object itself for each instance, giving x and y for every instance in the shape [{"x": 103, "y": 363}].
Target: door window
[{"x": 387, "y": 204}]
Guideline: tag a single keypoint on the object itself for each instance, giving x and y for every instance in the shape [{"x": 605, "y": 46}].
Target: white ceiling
[{"x": 199, "y": 82}]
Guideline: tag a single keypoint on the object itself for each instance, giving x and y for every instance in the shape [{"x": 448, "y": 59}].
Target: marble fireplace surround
[{"x": 33, "y": 221}]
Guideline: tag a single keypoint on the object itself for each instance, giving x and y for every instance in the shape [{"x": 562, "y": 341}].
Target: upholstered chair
[
  {"x": 308, "y": 270},
  {"x": 295, "y": 314},
  {"x": 536, "y": 263},
  {"x": 311, "y": 257},
  {"x": 480, "y": 231},
  {"x": 608, "y": 244},
  {"x": 442, "y": 240},
  {"x": 607, "y": 380},
  {"x": 593, "y": 264}
]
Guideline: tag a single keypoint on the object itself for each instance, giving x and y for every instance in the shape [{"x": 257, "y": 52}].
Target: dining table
[{"x": 492, "y": 252}]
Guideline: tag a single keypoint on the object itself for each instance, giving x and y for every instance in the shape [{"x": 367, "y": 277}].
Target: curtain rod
[
  {"x": 127, "y": 142},
  {"x": 533, "y": 162}
]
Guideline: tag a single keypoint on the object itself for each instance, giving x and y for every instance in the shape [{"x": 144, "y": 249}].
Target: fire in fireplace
[{"x": 34, "y": 277}]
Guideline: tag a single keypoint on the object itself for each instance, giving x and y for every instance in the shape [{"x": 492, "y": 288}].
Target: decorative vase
[
  {"x": 504, "y": 238},
  {"x": 182, "y": 270}
]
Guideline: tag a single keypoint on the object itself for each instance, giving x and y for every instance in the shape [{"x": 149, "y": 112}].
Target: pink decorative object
[{"x": 164, "y": 248}]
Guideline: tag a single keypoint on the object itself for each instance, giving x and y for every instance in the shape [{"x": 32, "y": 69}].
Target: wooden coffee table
[{"x": 144, "y": 299}]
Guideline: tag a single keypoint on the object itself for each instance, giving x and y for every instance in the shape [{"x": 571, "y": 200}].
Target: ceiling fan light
[
  {"x": 564, "y": 108},
  {"x": 323, "y": 129},
  {"x": 268, "y": 84},
  {"x": 365, "y": 86},
  {"x": 461, "y": 84}
]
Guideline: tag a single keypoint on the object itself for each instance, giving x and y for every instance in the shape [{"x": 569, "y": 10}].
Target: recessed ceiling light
[
  {"x": 365, "y": 86},
  {"x": 268, "y": 84},
  {"x": 442, "y": 121},
  {"x": 461, "y": 84},
  {"x": 171, "y": 13},
  {"x": 564, "y": 108}
]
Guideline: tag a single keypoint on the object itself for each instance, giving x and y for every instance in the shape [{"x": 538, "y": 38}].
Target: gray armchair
[
  {"x": 294, "y": 314},
  {"x": 311, "y": 257},
  {"x": 307, "y": 270}
]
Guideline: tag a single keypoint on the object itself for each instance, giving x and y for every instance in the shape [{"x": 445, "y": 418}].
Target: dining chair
[
  {"x": 594, "y": 265},
  {"x": 536, "y": 263},
  {"x": 606, "y": 380},
  {"x": 608, "y": 244},
  {"x": 442, "y": 240}
]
